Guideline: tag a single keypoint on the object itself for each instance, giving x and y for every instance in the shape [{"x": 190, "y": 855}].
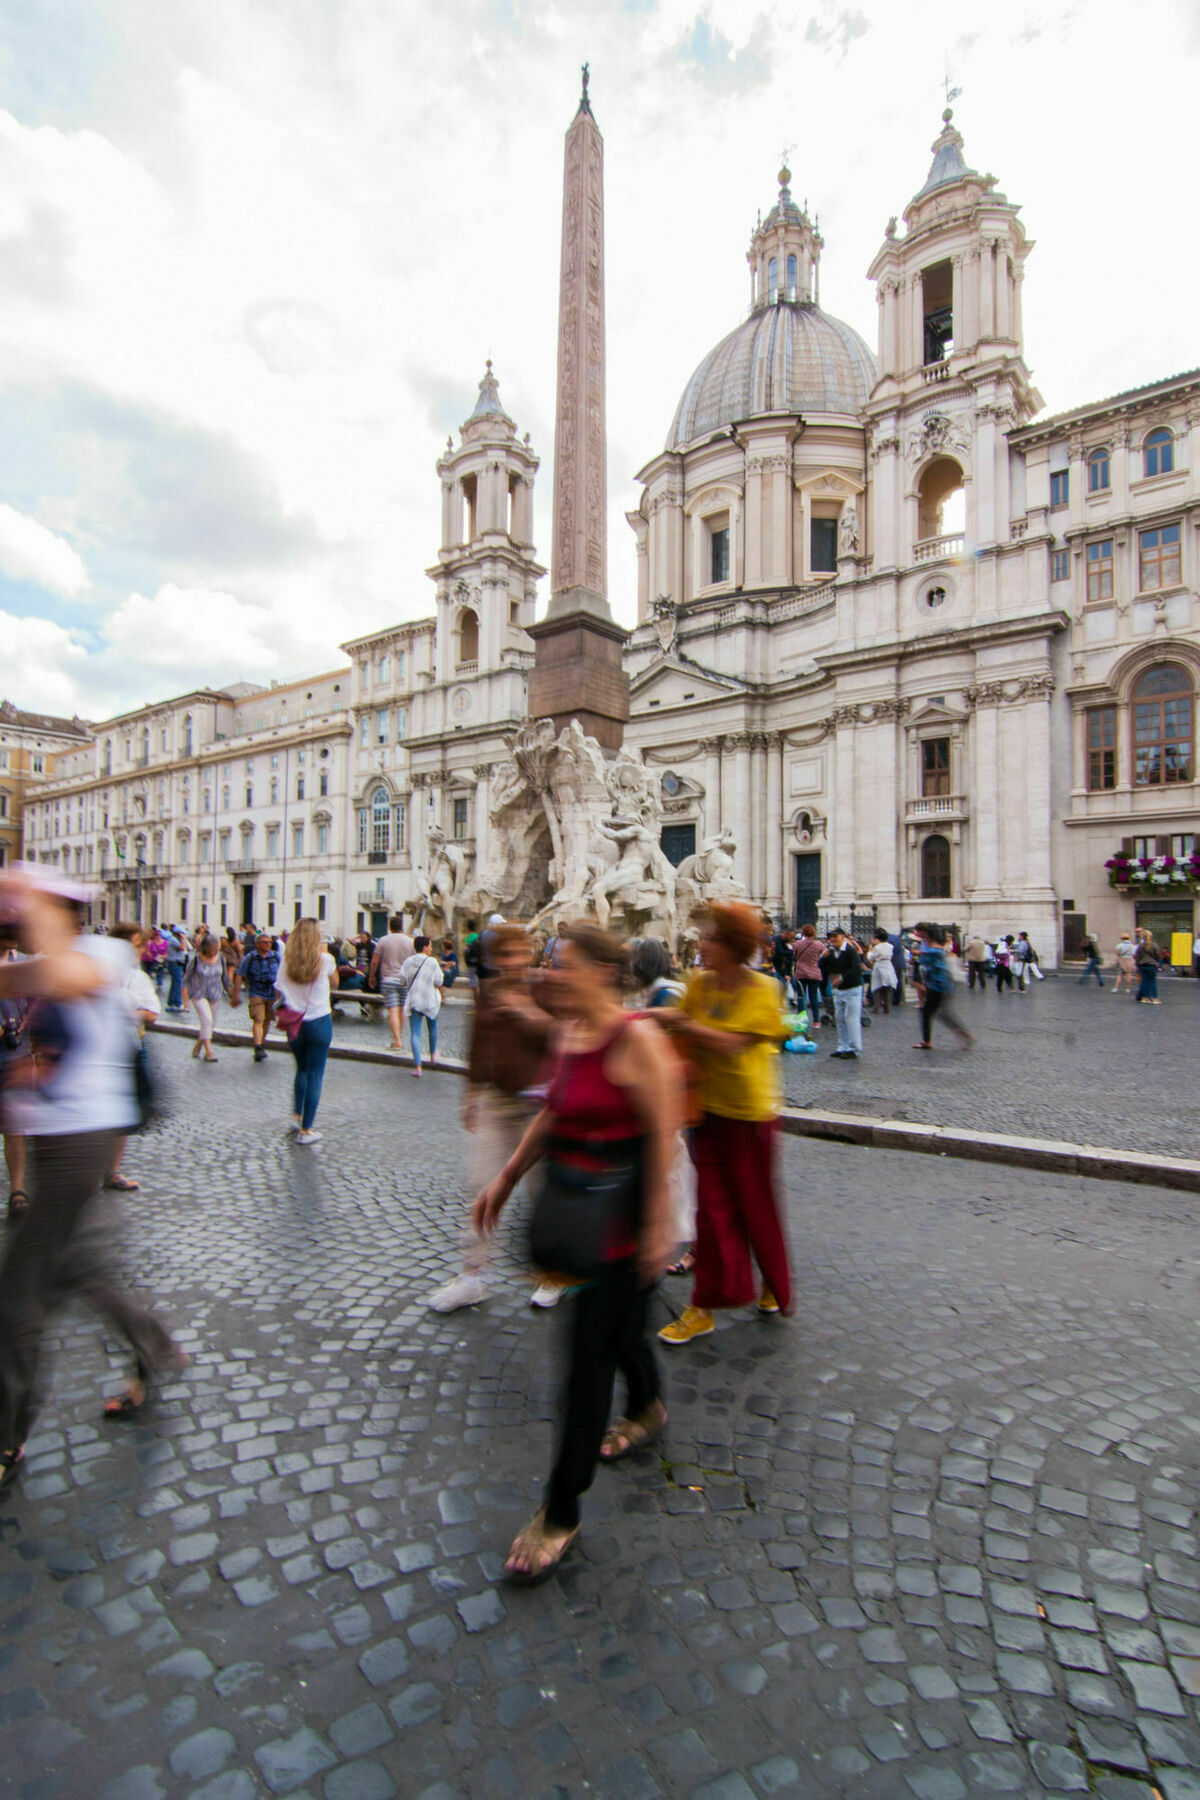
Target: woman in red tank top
[{"x": 615, "y": 1089}]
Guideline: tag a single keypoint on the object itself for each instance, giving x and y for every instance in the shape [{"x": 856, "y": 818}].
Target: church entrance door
[{"x": 808, "y": 887}]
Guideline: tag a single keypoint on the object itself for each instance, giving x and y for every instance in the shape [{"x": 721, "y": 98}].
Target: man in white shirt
[{"x": 391, "y": 953}]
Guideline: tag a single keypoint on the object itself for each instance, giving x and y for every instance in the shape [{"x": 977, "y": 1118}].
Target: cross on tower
[{"x": 952, "y": 93}]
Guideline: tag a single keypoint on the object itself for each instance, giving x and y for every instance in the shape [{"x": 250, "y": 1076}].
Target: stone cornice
[{"x": 1172, "y": 388}]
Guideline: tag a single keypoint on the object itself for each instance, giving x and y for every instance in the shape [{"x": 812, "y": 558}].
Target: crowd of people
[{"x": 638, "y": 1101}]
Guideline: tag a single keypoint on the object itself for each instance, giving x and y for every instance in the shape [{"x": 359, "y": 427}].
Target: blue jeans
[
  {"x": 1093, "y": 968},
  {"x": 175, "y": 991},
  {"x": 847, "y": 1013},
  {"x": 310, "y": 1047},
  {"x": 1148, "y": 989},
  {"x": 414, "y": 1032}
]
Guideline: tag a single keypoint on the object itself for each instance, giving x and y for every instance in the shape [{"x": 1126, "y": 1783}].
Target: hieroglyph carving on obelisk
[{"x": 578, "y": 553}]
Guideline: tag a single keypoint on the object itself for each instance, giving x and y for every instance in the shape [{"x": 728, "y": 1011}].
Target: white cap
[{"x": 496, "y": 919}]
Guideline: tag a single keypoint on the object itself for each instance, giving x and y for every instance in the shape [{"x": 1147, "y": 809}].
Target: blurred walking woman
[
  {"x": 305, "y": 980},
  {"x": 602, "y": 1219},
  {"x": 204, "y": 984},
  {"x": 730, "y": 1020}
]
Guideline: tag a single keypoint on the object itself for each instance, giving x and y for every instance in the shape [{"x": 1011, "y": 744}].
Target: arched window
[
  {"x": 1098, "y": 472},
  {"x": 773, "y": 281},
  {"x": 1162, "y": 727},
  {"x": 935, "y": 868},
  {"x": 381, "y": 822},
  {"x": 187, "y": 734},
  {"x": 274, "y": 791},
  {"x": 385, "y": 669},
  {"x": 1159, "y": 452},
  {"x": 941, "y": 500},
  {"x": 468, "y": 636},
  {"x": 107, "y": 756},
  {"x": 793, "y": 278}
]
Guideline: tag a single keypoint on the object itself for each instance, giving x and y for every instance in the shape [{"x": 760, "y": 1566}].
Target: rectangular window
[
  {"x": 1184, "y": 844},
  {"x": 322, "y": 840},
  {"x": 719, "y": 562},
  {"x": 1060, "y": 565},
  {"x": 364, "y": 826},
  {"x": 274, "y": 762},
  {"x": 1100, "y": 570},
  {"x": 272, "y": 840},
  {"x": 3, "y": 759},
  {"x": 383, "y": 720},
  {"x": 1060, "y": 485},
  {"x": 39, "y": 764},
  {"x": 401, "y": 724},
  {"x": 297, "y": 840},
  {"x": 1101, "y": 748},
  {"x": 935, "y": 768},
  {"x": 324, "y": 784},
  {"x": 271, "y": 914},
  {"x": 364, "y": 732},
  {"x": 822, "y": 546},
  {"x": 3, "y": 805},
  {"x": 226, "y": 840},
  {"x": 1158, "y": 558},
  {"x": 401, "y": 664},
  {"x": 1098, "y": 480},
  {"x": 460, "y": 818},
  {"x": 399, "y": 819},
  {"x": 299, "y": 787},
  {"x": 321, "y": 911}
]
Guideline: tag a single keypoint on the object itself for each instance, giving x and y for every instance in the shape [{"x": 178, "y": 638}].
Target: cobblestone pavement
[
  {"x": 934, "y": 1537},
  {"x": 1060, "y": 1061}
]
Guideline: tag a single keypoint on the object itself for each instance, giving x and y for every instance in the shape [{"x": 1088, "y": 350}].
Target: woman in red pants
[{"x": 731, "y": 1022}]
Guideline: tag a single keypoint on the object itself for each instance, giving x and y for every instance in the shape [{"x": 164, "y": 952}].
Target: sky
[{"x": 254, "y": 254}]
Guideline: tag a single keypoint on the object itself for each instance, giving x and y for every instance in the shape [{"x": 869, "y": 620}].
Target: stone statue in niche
[{"x": 848, "y": 531}]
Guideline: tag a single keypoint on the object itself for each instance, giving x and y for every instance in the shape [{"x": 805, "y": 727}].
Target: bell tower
[
  {"x": 952, "y": 375},
  {"x": 486, "y": 574}
]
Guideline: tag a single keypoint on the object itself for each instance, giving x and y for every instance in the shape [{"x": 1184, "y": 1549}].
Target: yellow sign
[{"x": 1181, "y": 949}]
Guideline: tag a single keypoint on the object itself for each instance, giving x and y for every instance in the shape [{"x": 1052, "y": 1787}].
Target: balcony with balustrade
[
  {"x": 937, "y": 809},
  {"x": 939, "y": 549}
]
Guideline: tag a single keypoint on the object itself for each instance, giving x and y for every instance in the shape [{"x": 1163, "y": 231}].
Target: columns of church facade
[
  {"x": 482, "y": 820},
  {"x": 842, "y": 821},
  {"x": 774, "y": 876},
  {"x": 987, "y": 786},
  {"x": 987, "y": 290},
  {"x": 1033, "y": 724},
  {"x": 760, "y": 820},
  {"x": 710, "y": 749},
  {"x": 881, "y": 759},
  {"x": 738, "y": 749}
]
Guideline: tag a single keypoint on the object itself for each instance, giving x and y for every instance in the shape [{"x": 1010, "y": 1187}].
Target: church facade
[{"x": 918, "y": 652}]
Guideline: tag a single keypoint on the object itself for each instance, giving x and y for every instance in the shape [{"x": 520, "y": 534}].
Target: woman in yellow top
[{"x": 730, "y": 1022}]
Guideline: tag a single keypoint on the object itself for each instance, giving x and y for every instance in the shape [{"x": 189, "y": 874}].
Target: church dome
[{"x": 786, "y": 357}]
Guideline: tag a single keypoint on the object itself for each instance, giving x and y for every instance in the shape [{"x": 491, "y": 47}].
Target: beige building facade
[{"x": 918, "y": 653}]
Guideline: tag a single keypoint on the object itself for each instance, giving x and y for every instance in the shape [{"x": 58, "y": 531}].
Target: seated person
[{"x": 448, "y": 957}]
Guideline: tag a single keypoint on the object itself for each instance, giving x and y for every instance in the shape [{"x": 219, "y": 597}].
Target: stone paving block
[
  {"x": 365, "y": 1780},
  {"x": 286, "y": 1763}
]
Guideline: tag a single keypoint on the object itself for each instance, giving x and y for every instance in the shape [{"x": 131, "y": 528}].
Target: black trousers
[
  {"x": 605, "y": 1327},
  {"x": 59, "y": 1249},
  {"x": 976, "y": 975},
  {"x": 939, "y": 1003}
]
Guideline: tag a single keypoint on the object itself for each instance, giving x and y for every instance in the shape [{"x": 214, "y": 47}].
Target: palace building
[{"x": 921, "y": 652}]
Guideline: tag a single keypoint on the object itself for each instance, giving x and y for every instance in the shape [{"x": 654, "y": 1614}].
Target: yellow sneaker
[
  {"x": 693, "y": 1322},
  {"x": 767, "y": 1303}
]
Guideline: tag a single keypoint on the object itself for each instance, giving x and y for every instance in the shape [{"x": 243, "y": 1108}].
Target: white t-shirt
[
  {"x": 91, "y": 1086},
  {"x": 139, "y": 992},
  {"x": 310, "y": 998},
  {"x": 422, "y": 978}
]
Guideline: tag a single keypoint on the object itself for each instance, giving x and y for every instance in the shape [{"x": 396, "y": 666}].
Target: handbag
[
  {"x": 291, "y": 1018},
  {"x": 581, "y": 1210}
]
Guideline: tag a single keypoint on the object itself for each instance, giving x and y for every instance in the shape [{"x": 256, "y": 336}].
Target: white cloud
[
  {"x": 197, "y": 635},
  {"x": 42, "y": 665},
  {"x": 29, "y": 552}
]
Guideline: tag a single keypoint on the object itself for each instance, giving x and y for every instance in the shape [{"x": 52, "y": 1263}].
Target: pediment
[
  {"x": 937, "y": 714},
  {"x": 674, "y": 681},
  {"x": 829, "y": 484}
]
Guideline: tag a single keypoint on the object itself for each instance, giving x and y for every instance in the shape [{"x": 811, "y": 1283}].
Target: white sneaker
[
  {"x": 308, "y": 1137},
  {"x": 546, "y": 1294},
  {"x": 464, "y": 1290}
]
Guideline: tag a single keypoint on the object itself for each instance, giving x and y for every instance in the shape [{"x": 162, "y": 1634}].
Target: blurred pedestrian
[
  {"x": 178, "y": 951},
  {"x": 1003, "y": 958},
  {"x": 935, "y": 982},
  {"x": 305, "y": 984},
  {"x": 656, "y": 986},
  {"x": 883, "y": 972},
  {"x": 1091, "y": 951},
  {"x": 977, "y": 958},
  {"x": 1146, "y": 960},
  {"x": 59, "y": 1248},
  {"x": 607, "y": 1131},
  {"x": 204, "y": 983},
  {"x": 731, "y": 1022},
  {"x": 14, "y": 1049},
  {"x": 509, "y": 1034},
  {"x": 1126, "y": 955},
  {"x": 142, "y": 1002}
]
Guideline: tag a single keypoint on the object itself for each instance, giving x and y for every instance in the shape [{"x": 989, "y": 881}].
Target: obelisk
[{"x": 578, "y": 672}]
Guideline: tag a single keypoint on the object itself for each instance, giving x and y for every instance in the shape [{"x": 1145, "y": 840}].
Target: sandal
[
  {"x": 624, "y": 1436},
  {"x": 685, "y": 1265},
  {"x": 18, "y": 1205},
  {"x": 533, "y": 1543},
  {"x": 122, "y": 1184},
  {"x": 124, "y": 1406},
  {"x": 10, "y": 1465}
]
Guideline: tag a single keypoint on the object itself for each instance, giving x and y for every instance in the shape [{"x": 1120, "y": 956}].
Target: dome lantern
[{"x": 784, "y": 254}]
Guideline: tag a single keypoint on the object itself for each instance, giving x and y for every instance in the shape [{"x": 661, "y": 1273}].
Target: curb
[{"x": 1053, "y": 1154}]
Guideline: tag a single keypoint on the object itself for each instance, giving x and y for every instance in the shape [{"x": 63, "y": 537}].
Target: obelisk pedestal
[{"x": 578, "y": 671}]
